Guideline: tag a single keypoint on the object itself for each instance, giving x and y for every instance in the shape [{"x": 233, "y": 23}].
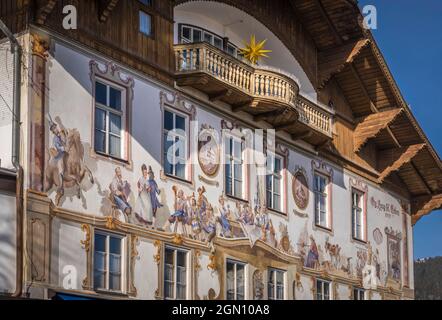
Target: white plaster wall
[
  {"x": 207, "y": 279},
  {"x": 146, "y": 271},
  {"x": 8, "y": 253},
  {"x": 6, "y": 103},
  {"x": 304, "y": 292},
  {"x": 68, "y": 258},
  {"x": 225, "y": 21}
]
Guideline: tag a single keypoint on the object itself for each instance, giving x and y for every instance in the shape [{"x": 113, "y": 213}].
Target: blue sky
[{"x": 410, "y": 36}]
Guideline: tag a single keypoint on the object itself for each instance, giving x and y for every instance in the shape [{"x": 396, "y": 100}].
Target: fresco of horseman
[{"x": 66, "y": 168}]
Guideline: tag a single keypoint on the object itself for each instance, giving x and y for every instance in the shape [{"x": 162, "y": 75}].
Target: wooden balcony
[{"x": 266, "y": 94}]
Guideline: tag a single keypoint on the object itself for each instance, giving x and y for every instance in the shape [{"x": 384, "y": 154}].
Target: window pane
[
  {"x": 237, "y": 149},
  {"x": 181, "y": 292},
  {"x": 197, "y": 35},
  {"x": 169, "y": 256},
  {"x": 115, "y": 124},
  {"x": 115, "y": 245},
  {"x": 100, "y": 261},
  {"x": 115, "y": 98},
  {"x": 238, "y": 171},
  {"x": 276, "y": 202},
  {"x": 115, "y": 146},
  {"x": 114, "y": 263},
  {"x": 145, "y": 23},
  {"x": 100, "y": 242},
  {"x": 238, "y": 189},
  {"x": 168, "y": 120},
  {"x": 180, "y": 171},
  {"x": 218, "y": 43},
  {"x": 100, "y": 119},
  {"x": 181, "y": 258},
  {"x": 180, "y": 123},
  {"x": 277, "y": 165},
  {"x": 101, "y": 93},
  {"x": 99, "y": 280},
  {"x": 115, "y": 282},
  {"x": 240, "y": 282},
  {"x": 100, "y": 141},
  {"x": 208, "y": 37},
  {"x": 277, "y": 186},
  {"x": 230, "y": 281},
  {"x": 187, "y": 33}
]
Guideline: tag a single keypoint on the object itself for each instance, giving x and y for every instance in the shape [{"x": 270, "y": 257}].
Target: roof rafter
[
  {"x": 45, "y": 10},
  {"x": 106, "y": 8},
  {"x": 330, "y": 23},
  {"x": 373, "y": 107},
  {"x": 421, "y": 178},
  {"x": 372, "y": 125},
  {"x": 399, "y": 157},
  {"x": 424, "y": 206},
  {"x": 334, "y": 61}
]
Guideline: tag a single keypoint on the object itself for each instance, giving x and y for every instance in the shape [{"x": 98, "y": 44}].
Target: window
[
  {"x": 145, "y": 23},
  {"x": 175, "y": 274},
  {"x": 108, "y": 262},
  {"x": 358, "y": 215},
  {"x": 358, "y": 294},
  {"x": 321, "y": 201},
  {"x": 146, "y": 2},
  {"x": 274, "y": 182},
  {"x": 192, "y": 34},
  {"x": 234, "y": 167},
  {"x": 109, "y": 119},
  {"x": 275, "y": 286},
  {"x": 322, "y": 290},
  {"x": 175, "y": 144},
  {"x": 235, "y": 280}
]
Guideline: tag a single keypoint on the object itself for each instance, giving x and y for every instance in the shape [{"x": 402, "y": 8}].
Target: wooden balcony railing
[{"x": 255, "y": 82}]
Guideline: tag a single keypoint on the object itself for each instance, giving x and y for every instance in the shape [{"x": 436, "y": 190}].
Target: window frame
[
  {"x": 283, "y": 182},
  {"x": 317, "y": 195},
  {"x": 357, "y": 294},
  {"x": 187, "y": 119},
  {"x": 322, "y": 293},
  {"x": 225, "y": 41},
  {"x": 275, "y": 284},
  {"x": 363, "y": 211},
  {"x": 175, "y": 273},
  {"x": 123, "y": 266},
  {"x": 123, "y": 114},
  {"x": 236, "y": 263},
  {"x": 244, "y": 176}
]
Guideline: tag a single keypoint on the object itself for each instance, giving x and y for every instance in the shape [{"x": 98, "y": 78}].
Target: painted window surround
[
  {"x": 362, "y": 188},
  {"x": 282, "y": 152},
  {"x": 111, "y": 74},
  {"x": 176, "y": 104},
  {"x": 321, "y": 168}
]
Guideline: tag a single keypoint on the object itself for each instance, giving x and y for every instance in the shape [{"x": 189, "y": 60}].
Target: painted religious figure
[
  {"x": 120, "y": 192},
  {"x": 208, "y": 151},
  {"x": 225, "y": 213},
  {"x": 300, "y": 190},
  {"x": 313, "y": 255},
  {"x": 143, "y": 206},
  {"x": 394, "y": 259},
  {"x": 154, "y": 192}
]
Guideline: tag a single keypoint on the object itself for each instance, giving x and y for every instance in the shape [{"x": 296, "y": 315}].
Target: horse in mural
[{"x": 73, "y": 167}]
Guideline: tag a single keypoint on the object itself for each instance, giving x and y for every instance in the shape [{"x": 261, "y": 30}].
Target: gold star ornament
[{"x": 255, "y": 51}]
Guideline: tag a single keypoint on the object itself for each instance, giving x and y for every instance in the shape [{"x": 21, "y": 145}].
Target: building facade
[{"x": 141, "y": 176}]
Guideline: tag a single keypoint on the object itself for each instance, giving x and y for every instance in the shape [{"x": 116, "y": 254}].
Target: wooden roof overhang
[{"x": 349, "y": 54}]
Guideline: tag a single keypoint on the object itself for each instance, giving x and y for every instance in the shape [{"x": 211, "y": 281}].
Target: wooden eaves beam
[
  {"x": 333, "y": 61},
  {"x": 421, "y": 178},
  {"x": 45, "y": 10},
  {"x": 399, "y": 159},
  {"x": 424, "y": 206},
  {"x": 373, "y": 107},
  {"x": 106, "y": 8},
  {"x": 372, "y": 125}
]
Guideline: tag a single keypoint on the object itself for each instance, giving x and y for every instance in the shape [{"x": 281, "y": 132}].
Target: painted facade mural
[
  {"x": 136, "y": 194},
  {"x": 65, "y": 168}
]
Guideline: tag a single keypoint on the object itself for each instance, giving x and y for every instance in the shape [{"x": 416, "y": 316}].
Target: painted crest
[
  {"x": 300, "y": 190},
  {"x": 208, "y": 151}
]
